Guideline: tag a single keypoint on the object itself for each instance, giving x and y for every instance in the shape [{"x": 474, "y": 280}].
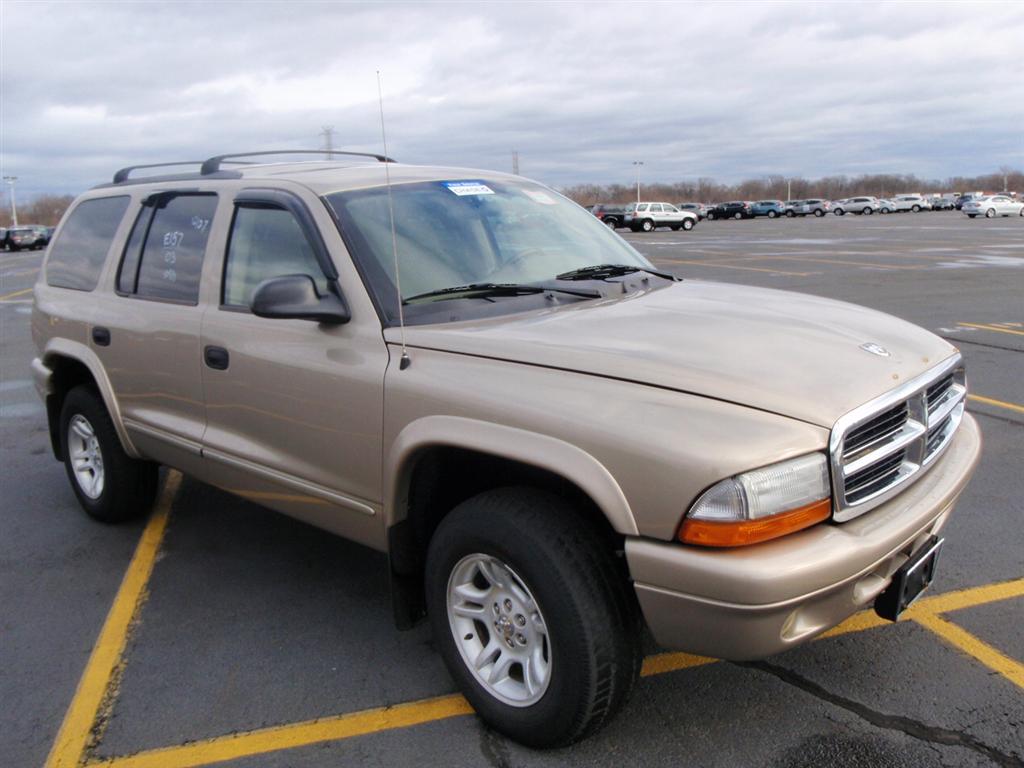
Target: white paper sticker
[
  {"x": 463, "y": 188},
  {"x": 540, "y": 196}
]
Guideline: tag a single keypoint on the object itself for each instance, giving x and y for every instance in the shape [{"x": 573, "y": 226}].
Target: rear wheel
[
  {"x": 610, "y": 223},
  {"x": 839, "y": 211},
  {"x": 915, "y": 208},
  {"x": 867, "y": 211},
  {"x": 972, "y": 215},
  {"x": 790, "y": 214},
  {"x": 990, "y": 213},
  {"x": 532, "y": 616},
  {"x": 647, "y": 225},
  {"x": 772, "y": 214},
  {"x": 110, "y": 485},
  {"x": 737, "y": 215},
  {"x": 819, "y": 213}
]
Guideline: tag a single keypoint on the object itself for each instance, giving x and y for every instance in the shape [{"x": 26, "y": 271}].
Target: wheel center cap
[{"x": 504, "y": 626}]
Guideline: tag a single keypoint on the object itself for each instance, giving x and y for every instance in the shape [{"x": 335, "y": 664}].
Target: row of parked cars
[
  {"x": 647, "y": 216},
  {"x": 27, "y": 237}
]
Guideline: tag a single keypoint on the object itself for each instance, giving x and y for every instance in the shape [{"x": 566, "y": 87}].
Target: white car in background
[
  {"x": 913, "y": 203},
  {"x": 647, "y": 217},
  {"x": 862, "y": 205},
  {"x": 886, "y": 206},
  {"x": 992, "y": 206}
]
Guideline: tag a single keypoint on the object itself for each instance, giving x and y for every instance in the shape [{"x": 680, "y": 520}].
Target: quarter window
[
  {"x": 266, "y": 243},
  {"x": 77, "y": 256}
]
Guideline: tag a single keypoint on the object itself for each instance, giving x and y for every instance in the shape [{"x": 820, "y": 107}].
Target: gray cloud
[{"x": 579, "y": 89}]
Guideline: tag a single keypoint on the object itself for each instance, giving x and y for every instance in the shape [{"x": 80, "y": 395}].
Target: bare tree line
[
  {"x": 776, "y": 187},
  {"x": 44, "y": 209}
]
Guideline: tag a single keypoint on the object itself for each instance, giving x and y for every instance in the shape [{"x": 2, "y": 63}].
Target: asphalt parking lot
[{"x": 218, "y": 631}]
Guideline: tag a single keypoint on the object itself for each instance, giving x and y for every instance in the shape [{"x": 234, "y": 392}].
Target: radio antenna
[{"x": 405, "y": 361}]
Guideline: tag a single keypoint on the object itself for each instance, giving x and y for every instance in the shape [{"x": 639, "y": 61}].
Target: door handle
[
  {"x": 216, "y": 357},
  {"x": 101, "y": 336}
]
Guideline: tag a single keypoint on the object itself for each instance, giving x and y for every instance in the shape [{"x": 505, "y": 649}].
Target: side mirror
[{"x": 295, "y": 297}]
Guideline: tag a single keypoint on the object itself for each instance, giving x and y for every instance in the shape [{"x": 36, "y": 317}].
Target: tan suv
[{"x": 553, "y": 441}]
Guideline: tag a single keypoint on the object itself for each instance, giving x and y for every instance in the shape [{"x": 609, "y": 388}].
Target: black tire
[
  {"x": 772, "y": 214},
  {"x": 711, "y": 216},
  {"x": 129, "y": 485},
  {"x": 790, "y": 215},
  {"x": 688, "y": 223},
  {"x": 647, "y": 225},
  {"x": 674, "y": 227},
  {"x": 819, "y": 213},
  {"x": 867, "y": 211},
  {"x": 593, "y": 620},
  {"x": 737, "y": 215},
  {"x": 839, "y": 212},
  {"x": 990, "y": 213},
  {"x": 915, "y": 208},
  {"x": 610, "y": 223},
  {"x": 972, "y": 215}
]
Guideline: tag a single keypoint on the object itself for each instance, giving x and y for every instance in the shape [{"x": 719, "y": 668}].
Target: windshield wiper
[
  {"x": 601, "y": 271},
  {"x": 486, "y": 290}
]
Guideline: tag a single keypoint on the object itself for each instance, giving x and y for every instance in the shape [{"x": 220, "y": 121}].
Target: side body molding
[
  {"x": 574, "y": 464},
  {"x": 62, "y": 347}
]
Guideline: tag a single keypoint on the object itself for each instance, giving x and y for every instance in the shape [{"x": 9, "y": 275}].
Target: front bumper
[{"x": 751, "y": 602}]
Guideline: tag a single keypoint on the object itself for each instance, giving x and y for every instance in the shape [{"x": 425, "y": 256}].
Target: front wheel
[
  {"x": 772, "y": 214},
  {"x": 915, "y": 208},
  {"x": 110, "y": 485},
  {"x": 790, "y": 214},
  {"x": 971, "y": 215},
  {"x": 819, "y": 213},
  {"x": 738, "y": 216},
  {"x": 688, "y": 224},
  {"x": 532, "y": 616},
  {"x": 839, "y": 212},
  {"x": 867, "y": 211},
  {"x": 990, "y": 213}
]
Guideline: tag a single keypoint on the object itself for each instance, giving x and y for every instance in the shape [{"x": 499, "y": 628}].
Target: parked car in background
[
  {"x": 792, "y": 207},
  {"x": 42, "y": 235},
  {"x": 646, "y": 217},
  {"x": 943, "y": 203},
  {"x": 770, "y": 208},
  {"x": 3, "y": 237},
  {"x": 818, "y": 207},
  {"x": 738, "y": 209},
  {"x": 862, "y": 205},
  {"x": 992, "y": 206},
  {"x": 612, "y": 215},
  {"x": 698, "y": 208},
  {"x": 23, "y": 238},
  {"x": 966, "y": 197},
  {"x": 886, "y": 205},
  {"x": 912, "y": 203}
]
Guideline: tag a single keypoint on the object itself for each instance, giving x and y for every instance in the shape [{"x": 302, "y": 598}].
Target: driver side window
[{"x": 265, "y": 243}]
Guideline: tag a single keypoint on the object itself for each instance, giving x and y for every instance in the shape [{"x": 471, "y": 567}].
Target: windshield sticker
[
  {"x": 540, "y": 196},
  {"x": 463, "y": 188}
]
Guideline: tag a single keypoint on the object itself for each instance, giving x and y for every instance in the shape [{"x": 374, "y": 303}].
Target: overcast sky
[{"x": 581, "y": 90}]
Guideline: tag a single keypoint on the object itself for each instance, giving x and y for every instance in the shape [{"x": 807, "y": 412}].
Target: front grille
[{"x": 877, "y": 448}]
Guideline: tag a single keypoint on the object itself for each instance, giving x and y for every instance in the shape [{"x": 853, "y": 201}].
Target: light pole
[
  {"x": 637, "y": 164},
  {"x": 789, "y": 190},
  {"x": 14, "y": 205}
]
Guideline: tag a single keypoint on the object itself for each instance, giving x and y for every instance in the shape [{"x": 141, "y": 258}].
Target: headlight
[{"x": 760, "y": 505}]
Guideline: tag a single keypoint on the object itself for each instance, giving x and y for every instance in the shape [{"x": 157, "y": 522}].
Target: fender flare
[
  {"x": 75, "y": 350},
  {"x": 567, "y": 460}
]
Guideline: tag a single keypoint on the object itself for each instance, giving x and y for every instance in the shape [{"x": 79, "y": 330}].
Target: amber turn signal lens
[{"x": 742, "y": 532}]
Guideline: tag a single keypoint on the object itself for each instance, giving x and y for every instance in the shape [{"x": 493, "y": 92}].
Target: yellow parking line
[
  {"x": 972, "y": 646},
  {"x": 985, "y": 327},
  {"x": 842, "y": 261},
  {"x": 298, "y": 734},
  {"x": 968, "y": 598},
  {"x": 996, "y": 403},
  {"x": 75, "y": 735},
  {"x": 22, "y": 292}
]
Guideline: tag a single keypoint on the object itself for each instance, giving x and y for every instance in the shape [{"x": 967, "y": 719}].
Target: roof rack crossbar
[{"x": 213, "y": 164}]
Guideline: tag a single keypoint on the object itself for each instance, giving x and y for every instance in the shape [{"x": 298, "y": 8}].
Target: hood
[{"x": 787, "y": 353}]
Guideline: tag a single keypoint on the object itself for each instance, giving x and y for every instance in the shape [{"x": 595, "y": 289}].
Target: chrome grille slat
[{"x": 875, "y": 450}]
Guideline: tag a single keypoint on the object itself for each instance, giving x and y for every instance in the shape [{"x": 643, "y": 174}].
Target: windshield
[{"x": 466, "y": 231}]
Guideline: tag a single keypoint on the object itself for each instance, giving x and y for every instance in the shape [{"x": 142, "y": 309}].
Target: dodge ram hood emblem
[{"x": 875, "y": 349}]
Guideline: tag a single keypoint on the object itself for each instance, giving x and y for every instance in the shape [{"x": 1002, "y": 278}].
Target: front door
[{"x": 294, "y": 407}]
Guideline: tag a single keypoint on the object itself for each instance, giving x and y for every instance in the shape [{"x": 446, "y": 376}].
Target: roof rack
[
  {"x": 123, "y": 174},
  {"x": 213, "y": 164}
]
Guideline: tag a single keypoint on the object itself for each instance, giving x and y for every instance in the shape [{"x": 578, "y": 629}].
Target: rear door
[{"x": 147, "y": 332}]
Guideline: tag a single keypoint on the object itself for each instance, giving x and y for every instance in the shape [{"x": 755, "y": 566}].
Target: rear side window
[
  {"x": 164, "y": 256},
  {"x": 77, "y": 256}
]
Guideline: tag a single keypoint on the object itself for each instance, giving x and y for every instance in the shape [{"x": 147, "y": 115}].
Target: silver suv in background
[
  {"x": 913, "y": 202},
  {"x": 646, "y": 217},
  {"x": 862, "y": 205}
]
